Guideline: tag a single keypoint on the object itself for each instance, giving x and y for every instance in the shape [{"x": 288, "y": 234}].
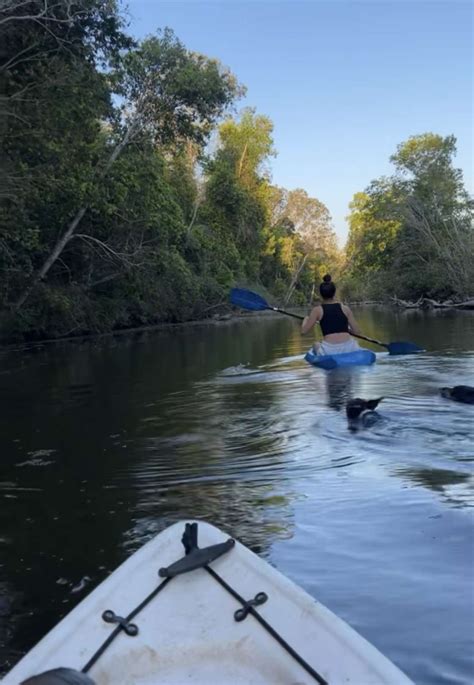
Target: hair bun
[{"x": 327, "y": 278}]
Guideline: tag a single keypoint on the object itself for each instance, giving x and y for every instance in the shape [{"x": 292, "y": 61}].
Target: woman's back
[{"x": 333, "y": 319}]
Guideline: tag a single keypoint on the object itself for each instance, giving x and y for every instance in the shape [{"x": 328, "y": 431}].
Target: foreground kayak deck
[
  {"x": 189, "y": 632},
  {"x": 360, "y": 357}
]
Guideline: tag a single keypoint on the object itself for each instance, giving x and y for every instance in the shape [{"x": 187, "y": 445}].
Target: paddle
[{"x": 246, "y": 299}]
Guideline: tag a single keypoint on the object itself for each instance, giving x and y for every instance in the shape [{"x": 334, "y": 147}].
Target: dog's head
[
  {"x": 445, "y": 392},
  {"x": 355, "y": 407}
]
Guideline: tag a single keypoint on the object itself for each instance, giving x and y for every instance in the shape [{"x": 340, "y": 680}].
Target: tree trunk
[
  {"x": 58, "y": 248},
  {"x": 294, "y": 280},
  {"x": 241, "y": 161},
  {"x": 69, "y": 232}
]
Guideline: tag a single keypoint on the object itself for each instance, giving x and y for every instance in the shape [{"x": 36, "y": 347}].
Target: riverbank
[{"x": 229, "y": 317}]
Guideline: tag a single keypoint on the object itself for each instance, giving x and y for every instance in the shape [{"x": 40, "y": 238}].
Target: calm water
[{"x": 105, "y": 442}]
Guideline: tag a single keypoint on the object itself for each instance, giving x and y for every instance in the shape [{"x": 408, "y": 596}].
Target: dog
[
  {"x": 460, "y": 393},
  {"x": 361, "y": 413}
]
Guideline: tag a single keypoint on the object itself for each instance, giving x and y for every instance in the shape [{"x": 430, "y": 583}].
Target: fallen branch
[
  {"x": 405, "y": 304},
  {"x": 430, "y": 303}
]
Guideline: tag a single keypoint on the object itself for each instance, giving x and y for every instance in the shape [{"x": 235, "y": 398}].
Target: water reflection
[
  {"x": 105, "y": 442},
  {"x": 224, "y": 463},
  {"x": 456, "y": 488},
  {"x": 339, "y": 387},
  {"x": 240, "y": 508}
]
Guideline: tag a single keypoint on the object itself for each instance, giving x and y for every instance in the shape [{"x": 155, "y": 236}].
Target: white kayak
[{"x": 227, "y": 618}]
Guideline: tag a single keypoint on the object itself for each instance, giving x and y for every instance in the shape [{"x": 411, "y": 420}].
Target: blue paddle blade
[
  {"x": 246, "y": 299},
  {"x": 403, "y": 348}
]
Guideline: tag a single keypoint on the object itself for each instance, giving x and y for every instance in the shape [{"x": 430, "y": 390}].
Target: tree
[
  {"x": 250, "y": 142},
  {"x": 312, "y": 222},
  {"x": 300, "y": 242},
  {"x": 412, "y": 234},
  {"x": 424, "y": 167},
  {"x": 234, "y": 211},
  {"x": 170, "y": 95},
  {"x": 436, "y": 240},
  {"x": 373, "y": 229},
  {"x": 52, "y": 99}
]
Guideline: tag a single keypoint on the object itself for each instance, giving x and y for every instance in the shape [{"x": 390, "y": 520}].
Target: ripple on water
[
  {"x": 38, "y": 458},
  {"x": 375, "y": 522}
]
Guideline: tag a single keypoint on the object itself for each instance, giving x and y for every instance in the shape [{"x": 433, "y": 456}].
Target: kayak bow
[{"x": 193, "y": 625}]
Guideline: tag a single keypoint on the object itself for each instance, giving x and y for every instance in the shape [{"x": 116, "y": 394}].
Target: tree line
[
  {"x": 411, "y": 234},
  {"x": 131, "y": 196}
]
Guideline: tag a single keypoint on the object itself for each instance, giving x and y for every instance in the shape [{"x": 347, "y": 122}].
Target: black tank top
[{"x": 334, "y": 319}]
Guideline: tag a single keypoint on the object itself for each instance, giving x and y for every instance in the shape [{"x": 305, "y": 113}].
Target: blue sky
[{"x": 343, "y": 82}]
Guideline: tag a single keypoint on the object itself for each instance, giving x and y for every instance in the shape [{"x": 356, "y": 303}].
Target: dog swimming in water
[
  {"x": 460, "y": 393},
  {"x": 361, "y": 413}
]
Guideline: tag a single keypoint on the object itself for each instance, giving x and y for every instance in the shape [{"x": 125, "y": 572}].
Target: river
[{"x": 106, "y": 441}]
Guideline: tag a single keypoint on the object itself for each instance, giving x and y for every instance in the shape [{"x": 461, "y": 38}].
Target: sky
[{"x": 344, "y": 82}]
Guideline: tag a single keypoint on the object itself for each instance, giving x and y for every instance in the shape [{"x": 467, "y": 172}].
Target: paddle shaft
[{"x": 355, "y": 335}]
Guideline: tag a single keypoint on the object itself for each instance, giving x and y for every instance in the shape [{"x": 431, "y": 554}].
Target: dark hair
[{"x": 327, "y": 288}]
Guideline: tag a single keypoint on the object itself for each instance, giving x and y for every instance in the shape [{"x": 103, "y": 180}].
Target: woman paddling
[{"x": 335, "y": 319}]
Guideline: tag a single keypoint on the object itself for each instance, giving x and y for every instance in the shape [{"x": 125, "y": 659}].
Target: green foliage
[
  {"x": 372, "y": 230},
  {"x": 234, "y": 212},
  {"x": 137, "y": 255},
  {"x": 412, "y": 234},
  {"x": 98, "y": 127},
  {"x": 300, "y": 244},
  {"x": 425, "y": 154},
  {"x": 111, "y": 216},
  {"x": 175, "y": 95},
  {"x": 180, "y": 174},
  {"x": 53, "y": 100},
  {"x": 249, "y": 144}
]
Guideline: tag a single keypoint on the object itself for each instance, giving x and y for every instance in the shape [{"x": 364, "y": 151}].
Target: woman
[{"x": 335, "y": 319}]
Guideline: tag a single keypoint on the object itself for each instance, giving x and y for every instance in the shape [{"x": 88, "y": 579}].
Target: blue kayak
[{"x": 333, "y": 361}]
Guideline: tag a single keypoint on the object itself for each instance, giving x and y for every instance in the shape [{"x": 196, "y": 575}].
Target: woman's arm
[
  {"x": 352, "y": 322},
  {"x": 311, "y": 320}
]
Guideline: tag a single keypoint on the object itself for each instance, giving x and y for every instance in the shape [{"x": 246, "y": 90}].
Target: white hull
[{"x": 188, "y": 634}]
